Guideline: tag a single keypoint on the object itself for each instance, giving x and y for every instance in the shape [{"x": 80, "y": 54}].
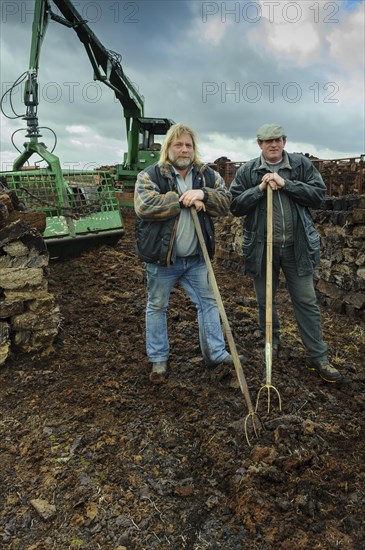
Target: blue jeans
[
  {"x": 304, "y": 300},
  {"x": 192, "y": 273}
]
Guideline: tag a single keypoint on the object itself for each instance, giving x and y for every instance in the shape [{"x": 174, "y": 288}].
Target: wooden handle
[
  {"x": 268, "y": 317},
  {"x": 227, "y": 328}
]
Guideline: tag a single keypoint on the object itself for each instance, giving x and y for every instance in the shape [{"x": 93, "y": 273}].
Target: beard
[{"x": 180, "y": 162}]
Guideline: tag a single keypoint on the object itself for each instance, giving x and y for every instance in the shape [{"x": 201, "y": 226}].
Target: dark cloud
[{"x": 218, "y": 75}]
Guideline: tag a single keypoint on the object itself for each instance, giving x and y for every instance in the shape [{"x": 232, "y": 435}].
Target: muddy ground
[{"x": 96, "y": 456}]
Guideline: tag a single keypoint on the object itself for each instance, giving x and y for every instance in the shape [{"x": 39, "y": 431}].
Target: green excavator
[{"x": 82, "y": 208}]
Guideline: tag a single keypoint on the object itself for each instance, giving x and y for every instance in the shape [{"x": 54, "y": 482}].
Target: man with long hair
[{"x": 168, "y": 244}]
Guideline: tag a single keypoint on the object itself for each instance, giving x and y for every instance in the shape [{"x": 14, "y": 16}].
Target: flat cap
[{"x": 270, "y": 131}]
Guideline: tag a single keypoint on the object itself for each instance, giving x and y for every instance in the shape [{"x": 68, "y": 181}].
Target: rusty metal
[{"x": 343, "y": 176}]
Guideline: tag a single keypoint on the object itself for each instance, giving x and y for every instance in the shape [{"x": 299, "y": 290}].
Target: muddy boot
[
  {"x": 325, "y": 370},
  {"x": 229, "y": 359},
  {"x": 159, "y": 372}
]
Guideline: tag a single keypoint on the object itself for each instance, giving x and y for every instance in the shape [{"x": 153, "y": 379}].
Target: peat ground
[{"x": 96, "y": 456}]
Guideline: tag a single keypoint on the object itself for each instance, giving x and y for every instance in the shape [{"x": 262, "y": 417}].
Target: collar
[
  {"x": 285, "y": 162},
  {"x": 177, "y": 173},
  {"x": 168, "y": 171}
]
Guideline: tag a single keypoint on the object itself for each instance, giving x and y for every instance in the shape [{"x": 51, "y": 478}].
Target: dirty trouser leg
[
  {"x": 195, "y": 282},
  {"x": 305, "y": 305},
  {"x": 160, "y": 281},
  {"x": 260, "y": 290}
]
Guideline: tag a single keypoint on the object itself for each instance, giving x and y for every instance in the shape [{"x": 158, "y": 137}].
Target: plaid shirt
[{"x": 151, "y": 204}]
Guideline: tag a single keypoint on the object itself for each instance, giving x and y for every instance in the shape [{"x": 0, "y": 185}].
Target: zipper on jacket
[{"x": 283, "y": 219}]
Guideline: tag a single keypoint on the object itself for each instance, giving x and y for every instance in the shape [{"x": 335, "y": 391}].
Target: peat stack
[{"x": 29, "y": 317}]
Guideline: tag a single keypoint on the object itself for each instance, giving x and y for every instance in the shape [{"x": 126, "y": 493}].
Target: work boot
[
  {"x": 324, "y": 368},
  {"x": 159, "y": 368},
  {"x": 229, "y": 360}
]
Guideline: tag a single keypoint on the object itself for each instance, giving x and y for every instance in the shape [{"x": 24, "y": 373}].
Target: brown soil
[{"x": 127, "y": 463}]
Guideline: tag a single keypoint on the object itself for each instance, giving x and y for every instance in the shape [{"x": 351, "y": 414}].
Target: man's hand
[
  {"x": 199, "y": 205},
  {"x": 274, "y": 180},
  {"x": 190, "y": 197}
]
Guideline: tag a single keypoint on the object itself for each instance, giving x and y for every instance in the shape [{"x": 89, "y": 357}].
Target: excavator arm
[{"x": 107, "y": 69}]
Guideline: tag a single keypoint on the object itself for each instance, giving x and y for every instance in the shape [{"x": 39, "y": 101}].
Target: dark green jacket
[{"x": 305, "y": 188}]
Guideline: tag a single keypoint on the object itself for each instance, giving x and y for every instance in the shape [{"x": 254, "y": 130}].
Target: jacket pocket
[
  {"x": 149, "y": 241},
  {"x": 248, "y": 245},
  {"x": 313, "y": 238},
  {"x": 313, "y": 242}
]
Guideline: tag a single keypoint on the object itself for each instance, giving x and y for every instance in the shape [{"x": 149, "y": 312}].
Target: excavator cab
[{"x": 149, "y": 129}]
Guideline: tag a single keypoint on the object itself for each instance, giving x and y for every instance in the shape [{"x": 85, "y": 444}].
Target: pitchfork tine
[
  {"x": 251, "y": 416},
  {"x": 268, "y": 387}
]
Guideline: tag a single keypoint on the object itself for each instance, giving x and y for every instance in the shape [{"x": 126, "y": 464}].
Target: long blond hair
[{"x": 175, "y": 132}]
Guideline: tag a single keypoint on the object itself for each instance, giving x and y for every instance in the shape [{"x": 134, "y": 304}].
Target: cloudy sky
[{"x": 223, "y": 67}]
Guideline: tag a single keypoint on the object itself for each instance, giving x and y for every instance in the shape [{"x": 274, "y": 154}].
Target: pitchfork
[
  {"x": 252, "y": 414},
  {"x": 268, "y": 319}
]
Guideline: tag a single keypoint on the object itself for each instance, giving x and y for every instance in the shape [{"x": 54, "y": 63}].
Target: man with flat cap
[{"x": 297, "y": 186}]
